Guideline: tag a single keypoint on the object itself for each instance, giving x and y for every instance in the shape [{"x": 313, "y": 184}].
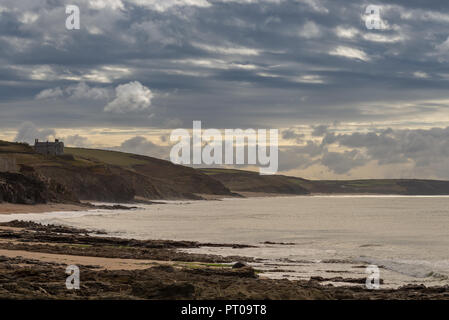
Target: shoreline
[
  {"x": 7, "y": 208},
  {"x": 33, "y": 258},
  {"x": 11, "y": 208}
]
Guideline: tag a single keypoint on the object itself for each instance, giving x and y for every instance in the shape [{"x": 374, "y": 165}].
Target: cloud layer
[
  {"x": 412, "y": 153},
  {"x": 288, "y": 61},
  {"x": 238, "y": 63}
]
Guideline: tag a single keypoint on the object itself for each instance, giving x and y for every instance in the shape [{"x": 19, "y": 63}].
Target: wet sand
[
  {"x": 10, "y": 208},
  {"x": 99, "y": 262}
]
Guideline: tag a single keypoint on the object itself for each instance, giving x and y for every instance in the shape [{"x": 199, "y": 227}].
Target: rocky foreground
[{"x": 33, "y": 261}]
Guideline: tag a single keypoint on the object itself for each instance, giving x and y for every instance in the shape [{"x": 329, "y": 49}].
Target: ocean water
[{"x": 327, "y": 236}]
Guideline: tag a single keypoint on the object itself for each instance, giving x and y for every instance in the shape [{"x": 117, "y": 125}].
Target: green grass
[
  {"x": 11, "y": 147},
  {"x": 217, "y": 265},
  {"x": 212, "y": 171},
  {"x": 24, "y": 154},
  {"x": 108, "y": 157},
  {"x": 80, "y": 245}
]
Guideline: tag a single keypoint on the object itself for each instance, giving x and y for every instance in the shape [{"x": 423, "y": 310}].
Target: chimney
[{"x": 36, "y": 141}]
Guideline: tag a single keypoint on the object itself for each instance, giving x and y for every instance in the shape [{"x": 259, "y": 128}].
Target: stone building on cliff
[{"x": 49, "y": 148}]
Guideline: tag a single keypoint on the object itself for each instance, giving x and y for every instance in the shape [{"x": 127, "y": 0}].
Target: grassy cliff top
[{"x": 115, "y": 158}]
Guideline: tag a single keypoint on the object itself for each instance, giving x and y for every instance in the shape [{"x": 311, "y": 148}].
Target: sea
[{"x": 297, "y": 237}]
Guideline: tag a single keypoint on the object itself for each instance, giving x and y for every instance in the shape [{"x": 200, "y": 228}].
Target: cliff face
[
  {"x": 17, "y": 188},
  {"x": 29, "y": 188},
  {"x": 93, "y": 183},
  {"x": 151, "y": 179},
  {"x": 118, "y": 175},
  {"x": 100, "y": 175}
]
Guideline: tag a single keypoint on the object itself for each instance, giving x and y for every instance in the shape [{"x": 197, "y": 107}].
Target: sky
[{"x": 349, "y": 102}]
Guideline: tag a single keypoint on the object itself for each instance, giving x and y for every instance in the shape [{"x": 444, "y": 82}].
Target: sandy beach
[{"x": 10, "y": 208}]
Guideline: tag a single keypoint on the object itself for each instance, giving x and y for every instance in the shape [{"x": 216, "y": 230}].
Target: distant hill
[
  {"x": 100, "y": 175},
  {"x": 248, "y": 181}
]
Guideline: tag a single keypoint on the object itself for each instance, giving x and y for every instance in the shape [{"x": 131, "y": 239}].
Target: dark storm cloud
[
  {"x": 343, "y": 162},
  {"x": 291, "y": 134},
  {"x": 424, "y": 151},
  {"x": 319, "y": 131},
  {"x": 228, "y": 63},
  {"x": 423, "y": 147}
]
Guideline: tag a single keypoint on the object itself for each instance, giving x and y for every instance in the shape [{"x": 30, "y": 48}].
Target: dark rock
[
  {"x": 238, "y": 265},
  {"x": 18, "y": 188},
  {"x": 30, "y": 188}
]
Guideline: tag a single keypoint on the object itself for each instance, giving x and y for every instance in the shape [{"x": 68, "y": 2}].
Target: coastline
[
  {"x": 7, "y": 208},
  {"x": 52, "y": 248},
  {"x": 33, "y": 258},
  {"x": 11, "y": 208}
]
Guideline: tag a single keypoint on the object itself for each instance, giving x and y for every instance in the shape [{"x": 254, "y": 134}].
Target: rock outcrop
[
  {"x": 30, "y": 188},
  {"x": 18, "y": 188}
]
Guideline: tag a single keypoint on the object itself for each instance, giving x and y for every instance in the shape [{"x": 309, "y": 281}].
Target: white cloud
[
  {"x": 374, "y": 37},
  {"x": 132, "y": 96},
  {"x": 83, "y": 91},
  {"x": 443, "y": 48},
  {"x": 423, "y": 15},
  {"x": 250, "y": 1},
  {"x": 315, "y": 5},
  {"x": 50, "y": 94},
  {"x": 163, "y": 5},
  {"x": 104, "y": 74},
  {"x": 141, "y": 145},
  {"x": 43, "y": 72},
  {"x": 268, "y": 75},
  {"x": 209, "y": 64},
  {"x": 346, "y": 32},
  {"x": 310, "y": 30},
  {"x": 103, "y": 4},
  {"x": 351, "y": 53},
  {"x": 28, "y": 132},
  {"x": 77, "y": 91},
  {"x": 228, "y": 50},
  {"x": 28, "y": 17},
  {"x": 420, "y": 75},
  {"x": 94, "y": 30},
  {"x": 309, "y": 78},
  {"x": 76, "y": 141}
]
